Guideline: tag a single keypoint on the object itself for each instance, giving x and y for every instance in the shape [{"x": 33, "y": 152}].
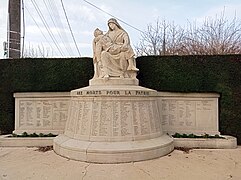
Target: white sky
[{"x": 84, "y": 18}]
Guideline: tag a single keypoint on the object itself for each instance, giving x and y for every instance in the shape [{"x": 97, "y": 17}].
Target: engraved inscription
[
  {"x": 126, "y": 118},
  {"x": 113, "y": 93},
  {"x": 116, "y": 118},
  {"x": 30, "y": 114},
  {"x": 42, "y": 114},
  {"x": 205, "y": 110},
  {"x": 22, "y": 113},
  {"x": 188, "y": 114},
  {"x": 164, "y": 112},
  {"x": 80, "y": 116},
  {"x": 136, "y": 119},
  {"x": 146, "y": 93},
  {"x": 85, "y": 121},
  {"x": 144, "y": 118},
  {"x": 105, "y": 118},
  {"x": 95, "y": 118},
  {"x": 156, "y": 118}
]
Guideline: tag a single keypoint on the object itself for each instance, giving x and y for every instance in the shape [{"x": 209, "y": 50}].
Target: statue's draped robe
[{"x": 114, "y": 60}]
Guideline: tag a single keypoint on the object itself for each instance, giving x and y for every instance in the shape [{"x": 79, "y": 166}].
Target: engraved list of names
[
  {"x": 42, "y": 114},
  {"x": 186, "y": 114},
  {"x": 114, "y": 119}
]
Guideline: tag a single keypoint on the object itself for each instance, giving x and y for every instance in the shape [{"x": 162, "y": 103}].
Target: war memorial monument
[{"x": 114, "y": 120}]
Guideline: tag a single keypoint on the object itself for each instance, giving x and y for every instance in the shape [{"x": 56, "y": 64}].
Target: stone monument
[{"x": 113, "y": 120}]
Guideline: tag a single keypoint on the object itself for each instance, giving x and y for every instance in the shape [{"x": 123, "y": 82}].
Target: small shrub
[
  {"x": 33, "y": 135},
  {"x": 217, "y": 136},
  {"x": 25, "y": 134},
  {"x": 14, "y": 135},
  {"x": 206, "y": 135},
  {"x": 50, "y": 135},
  {"x": 177, "y": 135},
  {"x": 191, "y": 136}
]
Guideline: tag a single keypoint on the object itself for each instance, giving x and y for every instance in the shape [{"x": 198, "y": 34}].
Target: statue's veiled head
[{"x": 114, "y": 21}]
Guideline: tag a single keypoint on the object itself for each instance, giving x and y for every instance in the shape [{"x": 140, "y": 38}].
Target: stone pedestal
[{"x": 113, "y": 121}]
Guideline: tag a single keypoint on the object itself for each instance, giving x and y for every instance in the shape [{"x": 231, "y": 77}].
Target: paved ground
[{"x": 28, "y": 163}]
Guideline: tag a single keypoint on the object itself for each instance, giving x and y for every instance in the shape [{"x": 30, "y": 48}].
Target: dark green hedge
[
  {"x": 220, "y": 74},
  {"x": 38, "y": 75}
]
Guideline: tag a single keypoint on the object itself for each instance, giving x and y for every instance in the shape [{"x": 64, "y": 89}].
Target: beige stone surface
[
  {"x": 41, "y": 112},
  {"x": 229, "y": 142},
  {"x": 45, "y": 112},
  {"x": 190, "y": 113},
  {"x": 112, "y": 152},
  {"x": 27, "y": 163},
  {"x": 25, "y": 142},
  {"x": 115, "y": 123}
]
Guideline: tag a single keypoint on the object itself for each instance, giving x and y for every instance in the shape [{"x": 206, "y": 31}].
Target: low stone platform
[
  {"x": 113, "y": 152},
  {"x": 6, "y": 141},
  {"x": 229, "y": 142}
]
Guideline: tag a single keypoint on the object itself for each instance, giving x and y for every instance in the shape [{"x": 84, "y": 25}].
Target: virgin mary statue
[{"x": 115, "y": 52}]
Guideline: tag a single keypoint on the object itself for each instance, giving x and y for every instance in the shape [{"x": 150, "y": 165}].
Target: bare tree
[
  {"x": 174, "y": 40},
  {"x": 39, "y": 52},
  {"x": 151, "y": 40},
  {"x": 214, "y": 36},
  {"x": 161, "y": 39}
]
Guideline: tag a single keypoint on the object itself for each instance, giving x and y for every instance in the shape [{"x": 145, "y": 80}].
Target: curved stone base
[{"x": 113, "y": 152}]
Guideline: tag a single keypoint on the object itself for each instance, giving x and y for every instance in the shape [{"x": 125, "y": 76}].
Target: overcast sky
[{"x": 84, "y": 18}]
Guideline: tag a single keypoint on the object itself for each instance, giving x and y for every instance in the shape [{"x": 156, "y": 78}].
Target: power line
[
  {"x": 39, "y": 28},
  {"x": 113, "y": 16},
  {"x": 70, "y": 27},
  {"x": 60, "y": 36},
  {"x": 46, "y": 26},
  {"x": 58, "y": 20}
]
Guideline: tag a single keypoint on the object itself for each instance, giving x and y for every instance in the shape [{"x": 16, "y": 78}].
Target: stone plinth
[
  {"x": 112, "y": 124},
  {"x": 114, "y": 81}
]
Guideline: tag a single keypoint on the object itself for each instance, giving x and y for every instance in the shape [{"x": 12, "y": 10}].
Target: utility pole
[{"x": 14, "y": 29}]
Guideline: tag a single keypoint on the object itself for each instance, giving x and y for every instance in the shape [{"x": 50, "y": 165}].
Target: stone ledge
[
  {"x": 41, "y": 95},
  {"x": 229, "y": 142},
  {"x": 30, "y": 131},
  {"x": 25, "y": 141},
  {"x": 187, "y": 95}
]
